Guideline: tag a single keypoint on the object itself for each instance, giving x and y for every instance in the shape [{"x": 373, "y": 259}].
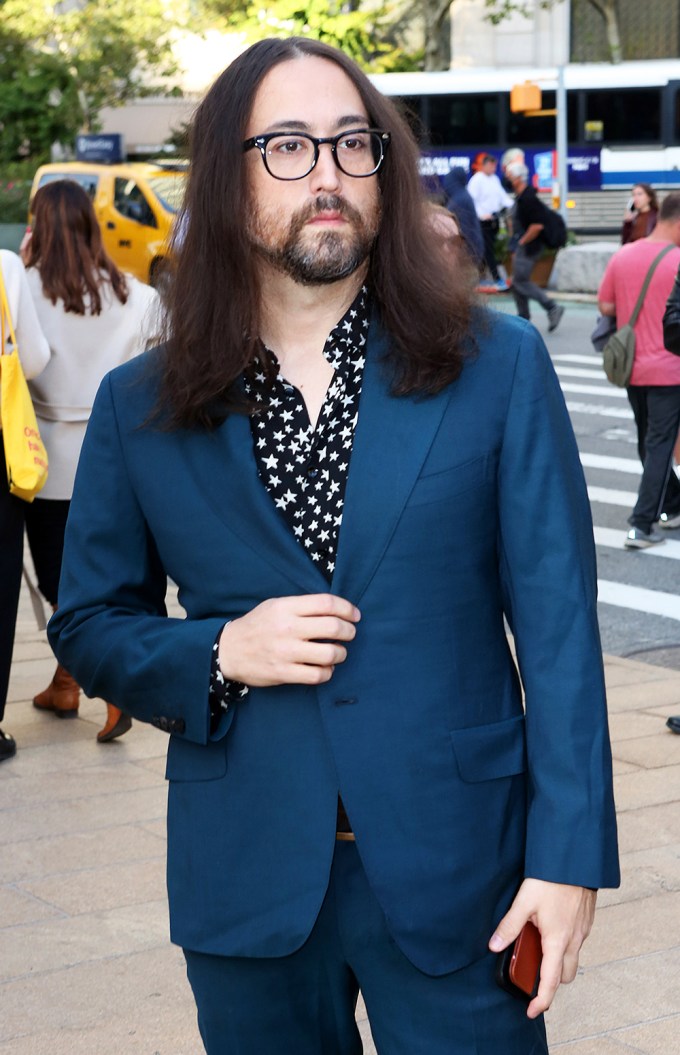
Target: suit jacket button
[{"x": 177, "y": 725}]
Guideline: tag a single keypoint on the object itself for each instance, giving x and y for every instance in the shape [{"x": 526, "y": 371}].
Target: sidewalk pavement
[{"x": 86, "y": 967}]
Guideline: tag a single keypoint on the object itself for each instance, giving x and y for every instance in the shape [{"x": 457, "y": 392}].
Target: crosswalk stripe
[
  {"x": 604, "y": 461},
  {"x": 613, "y": 539},
  {"x": 593, "y": 390},
  {"x": 576, "y": 371},
  {"x": 612, "y": 497},
  {"x": 588, "y": 360},
  {"x": 602, "y": 411},
  {"x": 653, "y": 602}
]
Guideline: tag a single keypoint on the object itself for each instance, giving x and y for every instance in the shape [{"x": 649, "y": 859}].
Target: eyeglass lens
[{"x": 293, "y": 156}]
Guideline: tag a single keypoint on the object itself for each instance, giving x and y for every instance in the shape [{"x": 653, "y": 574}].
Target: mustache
[{"x": 325, "y": 203}]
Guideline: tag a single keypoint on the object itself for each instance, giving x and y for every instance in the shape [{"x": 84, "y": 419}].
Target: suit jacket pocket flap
[
  {"x": 446, "y": 482},
  {"x": 188, "y": 760},
  {"x": 487, "y": 752}
]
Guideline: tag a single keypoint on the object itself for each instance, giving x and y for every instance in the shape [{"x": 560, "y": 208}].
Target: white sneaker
[
  {"x": 669, "y": 521},
  {"x": 639, "y": 539}
]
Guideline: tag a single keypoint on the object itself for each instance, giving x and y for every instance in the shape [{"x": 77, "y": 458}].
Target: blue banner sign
[
  {"x": 583, "y": 166},
  {"x": 100, "y": 149}
]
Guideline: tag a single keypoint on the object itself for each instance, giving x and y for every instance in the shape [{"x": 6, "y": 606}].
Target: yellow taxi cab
[{"x": 136, "y": 205}]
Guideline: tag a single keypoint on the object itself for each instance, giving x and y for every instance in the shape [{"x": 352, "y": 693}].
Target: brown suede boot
[
  {"x": 117, "y": 723},
  {"x": 61, "y": 696}
]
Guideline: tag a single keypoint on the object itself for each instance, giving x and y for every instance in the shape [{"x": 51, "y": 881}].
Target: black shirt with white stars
[{"x": 304, "y": 468}]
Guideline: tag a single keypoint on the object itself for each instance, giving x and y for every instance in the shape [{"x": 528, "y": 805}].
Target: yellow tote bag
[{"x": 25, "y": 453}]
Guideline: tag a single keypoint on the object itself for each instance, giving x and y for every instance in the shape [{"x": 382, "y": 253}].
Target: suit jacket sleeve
[
  {"x": 549, "y": 576},
  {"x": 111, "y": 630}
]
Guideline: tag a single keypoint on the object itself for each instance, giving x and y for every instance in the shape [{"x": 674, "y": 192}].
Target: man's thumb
[{"x": 506, "y": 931}]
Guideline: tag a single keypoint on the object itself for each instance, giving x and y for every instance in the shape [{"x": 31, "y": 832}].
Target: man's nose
[{"x": 325, "y": 175}]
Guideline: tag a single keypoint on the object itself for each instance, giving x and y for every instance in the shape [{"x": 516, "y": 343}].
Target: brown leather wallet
[{"x": 518, "y": 968}]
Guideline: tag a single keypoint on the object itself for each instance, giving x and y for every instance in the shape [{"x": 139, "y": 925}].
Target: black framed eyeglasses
[{"x": 292, "y": 155}]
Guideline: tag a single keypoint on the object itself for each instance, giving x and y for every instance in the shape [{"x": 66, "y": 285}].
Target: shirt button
[
  {"x": 312, "y": 473},
  {"x": 324, "y": 552}
]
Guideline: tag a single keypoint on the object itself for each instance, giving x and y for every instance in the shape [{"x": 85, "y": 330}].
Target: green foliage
[
  {"x": 83, "y": 57},
  {"x": 15, "y": 190},
  {"x": 366, "y": 34},
  {"x": 38, "y": 101},
  {"x": 498, "y": 10}
]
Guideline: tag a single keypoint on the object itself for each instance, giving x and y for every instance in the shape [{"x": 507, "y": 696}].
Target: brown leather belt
[{"x": 345, "y": 837}]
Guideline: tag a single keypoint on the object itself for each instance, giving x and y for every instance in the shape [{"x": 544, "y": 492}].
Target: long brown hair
[
  {"x": 651, "y": 194},
  {"x": 425, "y": 303},
  {"x": 66, "y": 248}
]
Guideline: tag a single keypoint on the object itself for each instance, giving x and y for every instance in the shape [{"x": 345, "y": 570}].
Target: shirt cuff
[{"x": 222, "y": 692}]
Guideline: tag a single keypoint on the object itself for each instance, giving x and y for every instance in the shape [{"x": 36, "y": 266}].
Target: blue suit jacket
[{"x": 459, "y": 508}]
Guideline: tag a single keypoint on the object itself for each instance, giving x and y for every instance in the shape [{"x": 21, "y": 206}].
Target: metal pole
[{"x": 562, "y": 168}]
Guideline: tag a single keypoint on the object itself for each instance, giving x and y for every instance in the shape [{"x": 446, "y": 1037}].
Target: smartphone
[
  {"x": 631, "y": 205},
  {"x": 518, "y": 968}
]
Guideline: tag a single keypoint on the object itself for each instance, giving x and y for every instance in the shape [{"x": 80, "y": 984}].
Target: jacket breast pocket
[
  {"x": 489, "y": 752},
  {"x": 447, "y": 483},
  {"x": 189, "y": 761}
]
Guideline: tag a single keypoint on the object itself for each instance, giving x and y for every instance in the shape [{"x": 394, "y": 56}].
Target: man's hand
[
  {"x": 564, "y": 917},
  {"x": 288, "y": 641}
]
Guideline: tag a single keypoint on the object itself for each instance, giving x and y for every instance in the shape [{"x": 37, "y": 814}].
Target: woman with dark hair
[
  {"x": 643, "y": 210},
  {"x": 94, "y": 318}
]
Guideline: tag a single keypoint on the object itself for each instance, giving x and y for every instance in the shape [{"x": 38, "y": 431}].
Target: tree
[
  {"x": 110, "y": 50},
  {"x": 370, "y": 34},
  {"x": 609, "y": 10},
  {"x": 38, "y": 102}
]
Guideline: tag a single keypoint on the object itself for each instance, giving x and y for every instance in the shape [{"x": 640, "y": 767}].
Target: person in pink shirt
[{"x": 654, "y": 386}]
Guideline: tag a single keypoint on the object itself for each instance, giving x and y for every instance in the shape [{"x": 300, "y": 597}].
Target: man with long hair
[{"x": 353, "y": 478}]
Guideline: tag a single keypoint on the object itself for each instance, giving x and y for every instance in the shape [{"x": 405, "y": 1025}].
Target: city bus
[{"x": 623, "y": 127}]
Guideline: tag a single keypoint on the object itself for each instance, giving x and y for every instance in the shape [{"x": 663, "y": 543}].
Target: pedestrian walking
[
  {"x": 490, "y": 200},
  {"x": 336, "y": 456},
  {"x": 461, "y": 206},
  {"x": 94, "y": 318},
  {"x": 528, "y": 221},
  {"x": 34, "y": 354},
  {"x": 654, "y": 386}
]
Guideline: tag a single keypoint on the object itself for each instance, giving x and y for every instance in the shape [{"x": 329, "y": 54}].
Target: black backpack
[{"x": 554, "y": 233}]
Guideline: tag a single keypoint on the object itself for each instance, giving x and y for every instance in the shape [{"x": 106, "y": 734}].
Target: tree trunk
[
  {"x": 609, "y": 11},
  {"x": 437, "y": 32}
]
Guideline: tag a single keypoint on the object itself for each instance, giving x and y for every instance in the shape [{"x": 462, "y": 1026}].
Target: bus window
[
  {"x": 676, "y": 118},
  {"x": 472, "y": 120},
  {"x": 409, "y": 106},
  {"x": 629, "y": 115},
  {"x": 527, "y": 131}
]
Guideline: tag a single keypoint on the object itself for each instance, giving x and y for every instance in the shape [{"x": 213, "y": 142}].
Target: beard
[{"x": 316, "y": 259}]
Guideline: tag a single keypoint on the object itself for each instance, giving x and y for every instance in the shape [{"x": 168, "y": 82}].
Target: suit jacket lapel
[
  {"x": 224, "y": 463},
  {"x": 392, "y": 439}
]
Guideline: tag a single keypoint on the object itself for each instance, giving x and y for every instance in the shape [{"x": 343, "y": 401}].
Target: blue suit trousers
[{"x": 305, "y": 1003}]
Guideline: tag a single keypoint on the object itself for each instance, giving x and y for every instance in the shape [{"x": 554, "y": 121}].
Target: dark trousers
[
  {"x": 523, "y": 289},
  {"x": 45, "y": 521},
  {"x": 489, "y": 232},
  {"x": 657, "y": 417},
  {"x": 45, "y": 527},
  {"x": 11, "y": 559},
  {"x": 305, "y": 1003}
]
